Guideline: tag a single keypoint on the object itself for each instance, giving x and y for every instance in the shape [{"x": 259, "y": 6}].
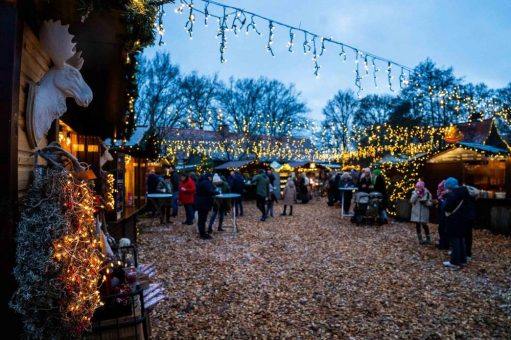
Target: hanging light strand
[
  {"x": 270, "y": 38},
  {"x": 221, "y": 34},
  {"x": 191, "y": 20},
  {"x": 291, "y": 41},
  {"x": 240, "y": 21}
]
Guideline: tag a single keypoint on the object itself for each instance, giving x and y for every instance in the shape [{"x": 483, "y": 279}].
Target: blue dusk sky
[{"x": 472, "y": 36}]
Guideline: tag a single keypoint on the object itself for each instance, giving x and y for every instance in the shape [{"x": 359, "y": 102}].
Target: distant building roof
[
  {"x": 233, "y": 165},
  {"x": 493, "y": 132},
  {"x": 475, "y": 132}
]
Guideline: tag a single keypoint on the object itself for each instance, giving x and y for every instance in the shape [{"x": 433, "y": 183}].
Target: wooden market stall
[
  {"x": 478, "y": 154},
  {"x": 247, "y": 168},
  {"x": 89, "y": 48},
  {"x": 316, "y": 172}
]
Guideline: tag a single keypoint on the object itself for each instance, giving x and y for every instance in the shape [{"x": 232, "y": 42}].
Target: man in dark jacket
[
  {"x": 153, "y": 181},
  {"x": 237, "y": 186},
  {"x": 204, "y": 201},
  {"x": 455, "y": 208},
  {"x": 174, "y": 181},
  {"x": 262, "y": 183}
]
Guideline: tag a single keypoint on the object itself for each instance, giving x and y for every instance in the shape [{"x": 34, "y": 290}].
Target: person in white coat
[
  {"x": 289, "y": 196},
  {"x": 421, "y": 200}
]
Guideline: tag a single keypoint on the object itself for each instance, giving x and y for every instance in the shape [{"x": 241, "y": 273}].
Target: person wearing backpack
[{"x": 421, "y": 200}]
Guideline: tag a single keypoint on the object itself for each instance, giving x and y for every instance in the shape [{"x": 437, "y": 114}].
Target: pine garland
[{"x": 58, "y": 259}]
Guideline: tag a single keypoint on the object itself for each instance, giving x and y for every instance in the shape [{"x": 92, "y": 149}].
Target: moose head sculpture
[
  {"x": 106, "y": 156},
  {"x": 63, "y": 80}
]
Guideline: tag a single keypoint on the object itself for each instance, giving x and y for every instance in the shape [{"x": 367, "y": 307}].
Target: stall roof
[
  {"x": 298, "y": 164},
  {"x": 484, "y": 148},
  {"x": 233, "y": 165},
  {"x": 331, "y": 166}
]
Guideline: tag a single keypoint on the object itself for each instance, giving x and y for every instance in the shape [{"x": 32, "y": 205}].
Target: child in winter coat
[{"x": 421, "y": 201}]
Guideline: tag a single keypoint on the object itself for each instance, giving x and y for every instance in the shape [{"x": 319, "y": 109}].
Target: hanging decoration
[
  {"x": 309, "y": 44},
  {"x": 58, "y": 257}
]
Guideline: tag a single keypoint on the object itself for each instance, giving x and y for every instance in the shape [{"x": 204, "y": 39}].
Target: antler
[
  {"x": 57, "y": 42},
  {"x": 76, "y": 60}
]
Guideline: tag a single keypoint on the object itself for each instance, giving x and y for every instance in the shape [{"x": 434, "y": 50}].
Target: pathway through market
[{"x": 314, "y": 274}]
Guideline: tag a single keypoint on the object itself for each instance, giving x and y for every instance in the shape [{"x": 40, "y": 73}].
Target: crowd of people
[
  {"x": 197, "y": 195},
  {"x": 455, "y": 203},
  {"x": 365, "y": 181}
]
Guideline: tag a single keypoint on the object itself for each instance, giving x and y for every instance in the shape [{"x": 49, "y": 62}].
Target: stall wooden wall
[{"x": 34, "y": 64}]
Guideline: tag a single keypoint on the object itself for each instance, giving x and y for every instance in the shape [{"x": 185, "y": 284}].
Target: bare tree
[
  {"x": 262, "y": 106},
  {"x": 159, "y": 102},
  {"x": 199, "y": 94},
  {"x": 339, "y": 113},
  {"x": 374, "y": 110},
  {"x": 282, "y": 109}
]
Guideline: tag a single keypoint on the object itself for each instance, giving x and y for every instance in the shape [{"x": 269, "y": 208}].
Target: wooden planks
[{"x": 34, "y": 64}]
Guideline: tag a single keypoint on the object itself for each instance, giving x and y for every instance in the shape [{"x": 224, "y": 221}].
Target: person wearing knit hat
[
  {"x": 421, "y": 200},
  {"x": 451, "y": 183},
  {"x": 216, "y": 179}
]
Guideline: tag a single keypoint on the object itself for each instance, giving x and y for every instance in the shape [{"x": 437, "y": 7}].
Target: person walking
[
  {"x": 346, "y": 182},
  {"x": 289, "y": 196},
  {"x": 455, "y": 207},
  {"x": 220, "y": 206},
  {"x": 187, "y": 197},
  {"x": 174, "y": 181},
  {"x": 421, "y": 200},
  {"x": 237, "y": 186},
  {"x": 262, "y": 183},
  {"x": 443, "y": 239},
  {"x": 203, "y": 202}
]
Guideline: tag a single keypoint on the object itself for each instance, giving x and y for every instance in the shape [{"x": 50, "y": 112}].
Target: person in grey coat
[
  {"x": 289, "y": 196},
  {"x": 421, "y": 200}
]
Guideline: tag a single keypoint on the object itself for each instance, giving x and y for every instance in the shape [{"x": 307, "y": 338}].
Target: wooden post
[{"x": 11, "y": 32}]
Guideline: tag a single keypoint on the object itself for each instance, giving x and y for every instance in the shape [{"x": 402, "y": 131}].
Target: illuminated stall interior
[{"x": 315, "y": 172}]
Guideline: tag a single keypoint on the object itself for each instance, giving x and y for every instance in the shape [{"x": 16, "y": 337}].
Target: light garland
[
  {"x": 79, "y": 256},
  {"x": 309, "y": 44},
  {"x": 109, "y": 195}
]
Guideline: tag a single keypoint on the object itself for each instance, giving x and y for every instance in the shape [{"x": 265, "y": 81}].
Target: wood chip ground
[{"x": 315, "y": 275}]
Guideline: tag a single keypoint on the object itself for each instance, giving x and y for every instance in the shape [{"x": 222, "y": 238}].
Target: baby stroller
[{"x": 367, "y": 208}]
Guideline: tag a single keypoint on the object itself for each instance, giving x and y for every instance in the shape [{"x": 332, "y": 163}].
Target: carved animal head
[
  {"x": 105, "y": 157},
  {"x": 59, "y": 45},
  {"x": 62, "y": 81}
]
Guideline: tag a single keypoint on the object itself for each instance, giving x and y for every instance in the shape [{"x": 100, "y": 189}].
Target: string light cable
[{"x": 241, "y": 21}]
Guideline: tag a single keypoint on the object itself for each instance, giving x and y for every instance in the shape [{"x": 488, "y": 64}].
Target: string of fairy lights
[{"x": 235, "y": 20}]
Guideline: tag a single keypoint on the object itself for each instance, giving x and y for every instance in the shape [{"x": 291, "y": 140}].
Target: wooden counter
[{"x": 126, "y": 226}]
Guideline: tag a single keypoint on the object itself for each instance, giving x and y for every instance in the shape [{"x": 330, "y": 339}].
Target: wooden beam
[{"x": 11, "y": 33}]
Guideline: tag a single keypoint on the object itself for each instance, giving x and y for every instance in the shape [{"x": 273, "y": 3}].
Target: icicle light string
[{"x": 239, "y": 21}]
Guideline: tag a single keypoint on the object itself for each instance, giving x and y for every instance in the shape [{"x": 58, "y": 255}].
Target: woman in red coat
[{"x": 186, "y": 197}]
